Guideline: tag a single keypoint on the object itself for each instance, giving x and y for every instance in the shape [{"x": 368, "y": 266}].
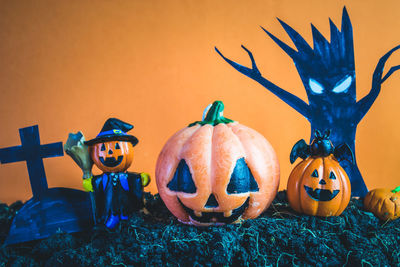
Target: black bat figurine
[{"x": 321, "y": 146}]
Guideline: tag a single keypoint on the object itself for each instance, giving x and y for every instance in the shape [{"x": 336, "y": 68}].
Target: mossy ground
[{"x": 279, "y": 237}]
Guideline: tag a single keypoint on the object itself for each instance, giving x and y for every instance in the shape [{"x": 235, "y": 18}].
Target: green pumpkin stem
[
  {"x": 214, "y": 115},
  {"x": 397, "y": 189}
]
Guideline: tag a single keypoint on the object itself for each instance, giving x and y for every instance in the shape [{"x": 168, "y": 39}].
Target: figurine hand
[
  {"x": 145, "y": 177},
  {"x": 87, "y": 184}
]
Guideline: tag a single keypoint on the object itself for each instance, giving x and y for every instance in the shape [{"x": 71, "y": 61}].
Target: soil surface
[{"x": 279, "y": 237}]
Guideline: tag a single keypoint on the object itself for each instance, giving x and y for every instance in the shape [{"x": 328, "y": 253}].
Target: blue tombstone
[
  {"x": 328, "y": 73},
  {"x": 49, "y": 210}
]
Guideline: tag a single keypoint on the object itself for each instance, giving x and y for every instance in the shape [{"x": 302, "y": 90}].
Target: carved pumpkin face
[
  {"x": 384, "y": 203},
  {"x": 112, "y": 156},
  {"x": 218, "y": 174},
  {"x": 319, "y": 186}
]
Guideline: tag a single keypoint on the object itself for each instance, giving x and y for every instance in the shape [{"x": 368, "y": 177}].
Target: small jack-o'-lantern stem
[
  {"x": 214, "y": 115},
  {"x": 397, "y": 189}
]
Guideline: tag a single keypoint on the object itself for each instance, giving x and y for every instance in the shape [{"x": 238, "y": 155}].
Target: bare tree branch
[
  {"x": 390, "y": 72},
  {"x": 254, "y": 73},
  {"x": 366, "y": 102}
]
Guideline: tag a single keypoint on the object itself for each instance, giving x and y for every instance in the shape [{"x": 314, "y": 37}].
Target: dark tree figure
[{"x": 328, "y": 73}]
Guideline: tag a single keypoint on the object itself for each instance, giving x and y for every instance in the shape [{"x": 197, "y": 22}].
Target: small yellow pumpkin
[{"x": 383, "y": 203}]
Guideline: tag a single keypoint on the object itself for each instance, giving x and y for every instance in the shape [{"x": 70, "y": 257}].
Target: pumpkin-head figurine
[
  {"x": 112, "y": 150},
  {"x": 116, "y": 192},
  {"x": 217, "y": 171},
  {"x": 318, "y": 185}
]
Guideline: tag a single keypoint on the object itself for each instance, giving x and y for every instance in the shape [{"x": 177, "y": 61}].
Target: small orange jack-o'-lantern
[
  {"x": 318, "y": 185},
  {"x": 113, "y": 156},
  {"x": 217, "y": 171},
  {"x": 112, "y": 149}
]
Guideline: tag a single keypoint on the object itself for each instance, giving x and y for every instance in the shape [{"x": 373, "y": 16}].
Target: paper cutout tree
[
  {"x": 49, "y": 210},
  {"x": 328, "y": 74}
]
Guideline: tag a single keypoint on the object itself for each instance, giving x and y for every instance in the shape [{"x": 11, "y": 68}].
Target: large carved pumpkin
[
  {"x": 217, "y": 171},
  {"x": 383, "y": 203},
  {"x": 112, "y": 156},
  {"x": 318, "y": 185}
]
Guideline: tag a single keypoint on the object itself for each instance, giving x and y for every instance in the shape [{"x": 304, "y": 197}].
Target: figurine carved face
[
  {"x": 112, "y": 156},
  {"x": 319, "y": 186},
  {"x": 218, "y": 174}
]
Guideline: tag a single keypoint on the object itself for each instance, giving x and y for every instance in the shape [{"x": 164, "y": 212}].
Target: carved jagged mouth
[
  {"x": 216, "y": 217},
  {"x": 321, "y": 194},
  {"x": 111, "y": 161}
]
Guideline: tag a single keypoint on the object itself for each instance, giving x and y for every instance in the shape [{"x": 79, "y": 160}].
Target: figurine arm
[
  {"x": 366, "y": 102},
  {"x": 136, "y": 189},
  {"x": 87, "y": 184},
  {"x": 145, "y": 178},
  {"x": 253, "y": 73},
  {"x": 91, "y": 182}
]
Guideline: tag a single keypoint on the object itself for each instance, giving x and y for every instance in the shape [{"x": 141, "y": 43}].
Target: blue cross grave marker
[
  {"x": 50, "y": 210},
  {"x": 33, "y": 153}
]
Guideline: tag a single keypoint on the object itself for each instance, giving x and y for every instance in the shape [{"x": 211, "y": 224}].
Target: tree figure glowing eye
[
  {"x": 315, "y": 86},
  {"x": 342, "y": 86}
]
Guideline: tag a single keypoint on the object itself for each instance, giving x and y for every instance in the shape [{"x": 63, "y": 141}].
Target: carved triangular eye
[
  {"x": 182, "y": 180},
  {"x": 103, "y": 147},
  {"x": 332, "y": 176},
  {"x": 242, "y": 180},
  {"x": 314, "y": 173},
  {"x": 117, "y": 146}
]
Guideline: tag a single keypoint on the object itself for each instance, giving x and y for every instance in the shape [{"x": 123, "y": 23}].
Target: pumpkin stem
[
  {"x": 397, "y": 189},
  {"x": 214, "y": 115},
  {"x": 205, "y": 112}
]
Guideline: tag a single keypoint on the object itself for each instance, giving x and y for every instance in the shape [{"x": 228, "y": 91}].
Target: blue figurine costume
[{"x": 117, "y": 193}]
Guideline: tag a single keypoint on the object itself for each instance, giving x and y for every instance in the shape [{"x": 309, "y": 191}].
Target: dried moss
[{"x": 279, "y": 237}]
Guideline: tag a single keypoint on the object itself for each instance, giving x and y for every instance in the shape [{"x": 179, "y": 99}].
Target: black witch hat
[{"x": 114, "y": 130}]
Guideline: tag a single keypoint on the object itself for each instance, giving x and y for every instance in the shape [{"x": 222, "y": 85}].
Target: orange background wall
[{"x": 69, "y": 65}]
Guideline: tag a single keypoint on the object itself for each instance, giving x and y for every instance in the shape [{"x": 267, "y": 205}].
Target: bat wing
[
  {"x": 343, "y": 152},
  {"x": 300, "y": 149}
]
